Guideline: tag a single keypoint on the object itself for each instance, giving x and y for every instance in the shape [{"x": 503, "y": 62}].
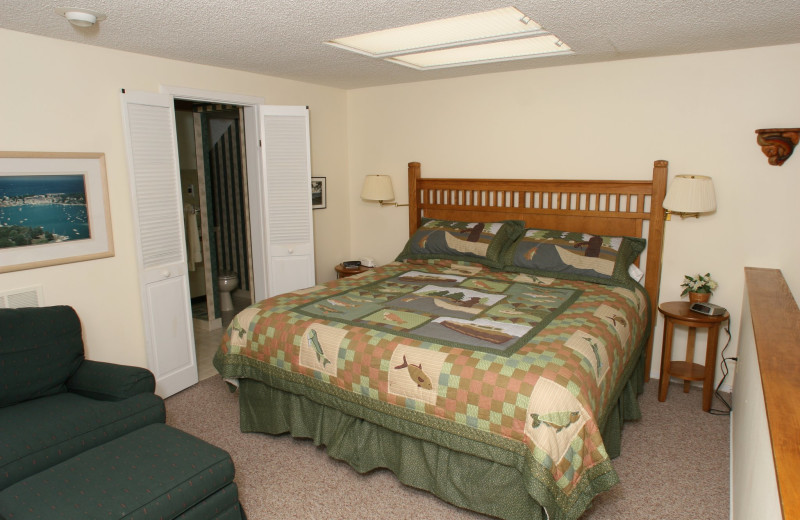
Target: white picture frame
[{"x": 54, "y": 209}]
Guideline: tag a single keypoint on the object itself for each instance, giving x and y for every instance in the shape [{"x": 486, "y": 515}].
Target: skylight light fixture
[
  {"x": 497, "y": 35},
  {"x": 506, "y": 22},
  {"x": 522, "y": 48}
]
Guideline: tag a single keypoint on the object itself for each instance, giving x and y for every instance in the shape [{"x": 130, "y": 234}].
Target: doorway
[
  {"x": 282, "y": 252},
  {"x": 214, "y": 191}
]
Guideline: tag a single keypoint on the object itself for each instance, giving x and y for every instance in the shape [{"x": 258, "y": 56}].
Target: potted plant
[{"x": 699, "y": 288}]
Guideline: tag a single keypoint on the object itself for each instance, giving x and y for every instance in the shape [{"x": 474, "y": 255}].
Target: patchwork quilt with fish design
[{"x": 507, "y": 358}]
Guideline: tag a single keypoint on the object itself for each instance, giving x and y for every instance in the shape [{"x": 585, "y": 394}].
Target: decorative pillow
[
  {"x": 481, "y": 242},
  {"x": 574, "y": 256}
]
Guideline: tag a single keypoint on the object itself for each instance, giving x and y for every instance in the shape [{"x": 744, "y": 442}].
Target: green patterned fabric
[
  {"x": 536, "y": 402},
  {"x": 454, "y": 309},
  {"x": 481, "y": 242},
  {"x": 219, "y": 506},
  {"x": 152, "y": 472},
  {"x": 40, "y": 348},
  {"x": 40, "y": 433},
  {"x": 55, "y": 404},
  {"x": 109, "y": 381},
  {"x": 469, "y": 479},
  {"x": 574, "y": 256}
]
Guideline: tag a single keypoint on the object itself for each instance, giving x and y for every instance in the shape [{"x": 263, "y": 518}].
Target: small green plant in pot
[{"x": 699, "y": 288}]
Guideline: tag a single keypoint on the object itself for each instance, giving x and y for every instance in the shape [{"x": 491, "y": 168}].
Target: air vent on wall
[{"x": 16, "y": 298}]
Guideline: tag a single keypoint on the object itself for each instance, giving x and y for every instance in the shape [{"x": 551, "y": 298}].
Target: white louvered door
[
  {"x": 150, "y": 134},
  {"x": 286, "y": 163}
]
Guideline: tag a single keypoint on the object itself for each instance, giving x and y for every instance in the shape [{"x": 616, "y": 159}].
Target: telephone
[{"x": 367, "y": 261}]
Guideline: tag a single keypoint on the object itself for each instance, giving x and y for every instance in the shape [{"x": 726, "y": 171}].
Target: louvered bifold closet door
[
  {"x": 159, "y": 218},
  {"x": 287, "y": 172},
  {"x": 158, "y": 223}
]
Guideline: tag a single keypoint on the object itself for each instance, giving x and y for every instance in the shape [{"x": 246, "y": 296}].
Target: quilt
[{"x": 526, "y": 363}]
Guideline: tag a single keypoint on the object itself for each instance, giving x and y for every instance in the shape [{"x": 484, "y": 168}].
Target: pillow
[
  {"x": 481, "y": 242},
  {"x": 574, "y": 256}
]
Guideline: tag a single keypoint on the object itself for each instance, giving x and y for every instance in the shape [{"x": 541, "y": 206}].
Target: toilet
[{"x": 227, "y": 282}]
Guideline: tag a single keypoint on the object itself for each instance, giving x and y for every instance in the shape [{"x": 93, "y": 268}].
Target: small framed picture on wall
[{"x": 318, "y": 198}]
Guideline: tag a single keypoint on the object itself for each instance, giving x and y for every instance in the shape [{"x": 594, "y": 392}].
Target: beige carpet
[{"x": 674, "y": 465}]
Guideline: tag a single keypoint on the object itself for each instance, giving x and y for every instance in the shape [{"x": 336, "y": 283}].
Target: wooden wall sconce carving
[{"x": 778, "y": 143}]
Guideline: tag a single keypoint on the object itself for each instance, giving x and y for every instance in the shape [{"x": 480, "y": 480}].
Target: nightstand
[
  {"x": 678, "y": 313},
  {"x": 341, "y": 272}
]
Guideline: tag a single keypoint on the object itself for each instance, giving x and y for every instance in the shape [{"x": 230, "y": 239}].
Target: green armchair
[{"x": 54, "y": 404}]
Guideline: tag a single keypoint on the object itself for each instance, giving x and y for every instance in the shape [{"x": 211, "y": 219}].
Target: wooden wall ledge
[{"x": 776, "y": 326}]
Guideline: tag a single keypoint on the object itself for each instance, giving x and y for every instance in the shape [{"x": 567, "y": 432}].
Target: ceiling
[{"x": 285, "y": 37}]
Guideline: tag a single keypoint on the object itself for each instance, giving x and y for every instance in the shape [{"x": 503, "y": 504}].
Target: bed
[{"x": 492, "y": 364}]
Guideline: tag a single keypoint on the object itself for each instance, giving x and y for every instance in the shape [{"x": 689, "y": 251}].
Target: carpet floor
[{"x": 674, "y": 465}]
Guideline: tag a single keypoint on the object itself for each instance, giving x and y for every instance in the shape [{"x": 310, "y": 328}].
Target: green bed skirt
[{"x": 463, "y": 479}]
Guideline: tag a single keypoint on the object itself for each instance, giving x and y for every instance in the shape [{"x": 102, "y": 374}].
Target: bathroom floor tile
[{"x": 207, "y": 341}]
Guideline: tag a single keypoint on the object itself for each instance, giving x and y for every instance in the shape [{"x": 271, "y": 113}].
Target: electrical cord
[{"x": 724, "y": 367}]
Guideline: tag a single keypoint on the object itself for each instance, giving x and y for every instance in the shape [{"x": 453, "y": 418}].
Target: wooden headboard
[{"x": 616, "y": 208}]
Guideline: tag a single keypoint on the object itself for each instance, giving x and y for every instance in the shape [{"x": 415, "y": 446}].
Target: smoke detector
[{"x": 80, "y": 17}]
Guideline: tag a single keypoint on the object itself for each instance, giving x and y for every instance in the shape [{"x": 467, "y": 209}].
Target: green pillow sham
[
  {"x": 480, "y": 242},
  {"x": 574, "y": 256}
]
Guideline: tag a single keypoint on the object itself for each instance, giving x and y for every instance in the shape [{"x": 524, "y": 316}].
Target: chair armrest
[{"x": 109, "y": 381}]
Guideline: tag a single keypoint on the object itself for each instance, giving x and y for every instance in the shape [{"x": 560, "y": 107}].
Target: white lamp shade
[
  {"x": 691, "y": 194},
  {"x": 377, "y": 187}
]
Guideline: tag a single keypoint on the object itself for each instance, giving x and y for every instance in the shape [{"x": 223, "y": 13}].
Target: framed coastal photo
[
  {"x": 53, "y": 209},
  {"x": 318, "y": 197}
]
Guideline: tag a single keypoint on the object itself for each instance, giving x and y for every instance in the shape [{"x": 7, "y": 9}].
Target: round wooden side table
[
  {"x": 341, "y": 272},
  {"x": 678, "y": 313}
]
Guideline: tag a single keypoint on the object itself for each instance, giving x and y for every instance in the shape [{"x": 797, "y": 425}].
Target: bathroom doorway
[
  {"x": 211, "y": 150},
  {"x": 151, "y": 141}
]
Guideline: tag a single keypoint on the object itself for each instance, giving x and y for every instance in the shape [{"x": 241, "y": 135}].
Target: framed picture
[
  {"x": 53, "y": 209},
  {"x": 318, "y": 197}
]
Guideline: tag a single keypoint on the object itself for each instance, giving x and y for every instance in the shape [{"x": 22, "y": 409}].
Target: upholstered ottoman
[{"x": 155, "y": 472}]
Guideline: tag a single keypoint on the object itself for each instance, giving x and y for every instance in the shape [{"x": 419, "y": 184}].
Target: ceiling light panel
[
  {"x": 507, "y": 22},
  {"x": 536, "y": 47}
]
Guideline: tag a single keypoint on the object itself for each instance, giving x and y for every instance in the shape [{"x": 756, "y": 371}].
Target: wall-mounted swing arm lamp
[
  {"x": 690, "y": 195},
  {"x": 379, "y": 187}
]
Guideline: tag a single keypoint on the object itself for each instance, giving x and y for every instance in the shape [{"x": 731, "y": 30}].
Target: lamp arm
[{"x": 668, "y": 214}]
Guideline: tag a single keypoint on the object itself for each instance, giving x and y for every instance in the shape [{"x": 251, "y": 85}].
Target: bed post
[
  {"x": 655, "y": 248},
  {"x": 414, "y": 213}
]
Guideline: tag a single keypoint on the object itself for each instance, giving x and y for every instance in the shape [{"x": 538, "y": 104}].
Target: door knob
[
  {"x": 291, "y": 250},
  {"x": 165, "y": 273}
]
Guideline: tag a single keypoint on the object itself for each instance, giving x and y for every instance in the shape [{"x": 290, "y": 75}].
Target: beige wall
[
  {"x": 609, "y": 120},
  {"x": 60, "y": 96}
]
